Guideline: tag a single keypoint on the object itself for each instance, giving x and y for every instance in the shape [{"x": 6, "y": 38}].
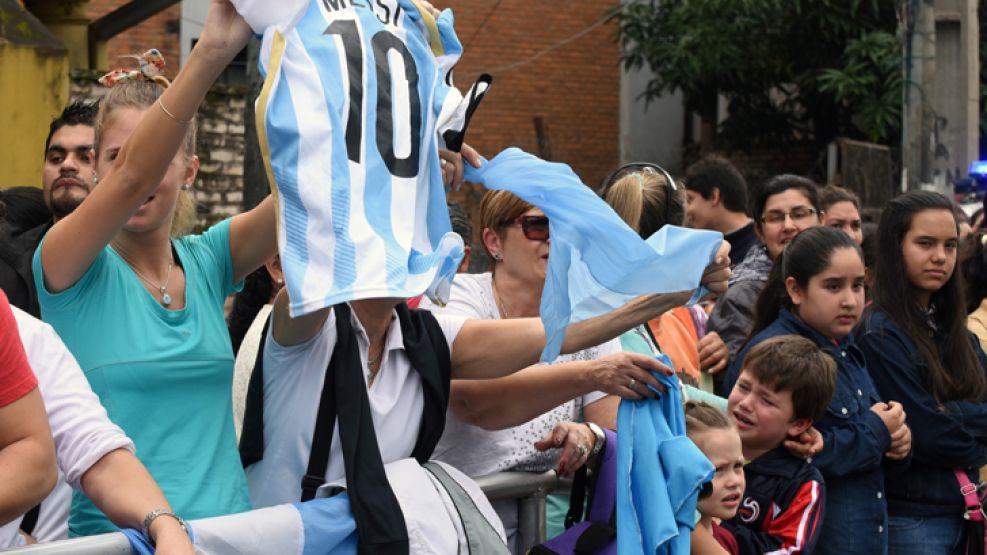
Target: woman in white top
[
  {"x": 298, "y": 350},
  {"x": 519, "y": 422}
]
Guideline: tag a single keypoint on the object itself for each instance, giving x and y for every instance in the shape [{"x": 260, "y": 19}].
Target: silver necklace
[{"x": 162, "y": 289}]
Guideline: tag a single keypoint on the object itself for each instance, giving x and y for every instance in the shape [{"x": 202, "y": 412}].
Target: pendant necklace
[{"x": 162, "y": 289}]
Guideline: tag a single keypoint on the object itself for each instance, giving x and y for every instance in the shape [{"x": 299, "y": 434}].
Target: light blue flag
[
  {"x": 596, "y": 262},
  {"x": 659, "y": 474}
]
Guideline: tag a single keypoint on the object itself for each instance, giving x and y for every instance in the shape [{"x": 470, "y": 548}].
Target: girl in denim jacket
[{"x": 918, "y": 351}]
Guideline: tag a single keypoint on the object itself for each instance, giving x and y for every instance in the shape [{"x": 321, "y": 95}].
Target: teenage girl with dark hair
[
  {"x": 816, "y": 290},
  {"x": 918, "y": 351}
]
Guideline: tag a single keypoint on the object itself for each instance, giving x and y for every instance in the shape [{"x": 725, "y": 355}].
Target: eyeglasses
[
  {"x": 645, "y": 167},
  {"x": 797, "y": 214},
  {"x": 535, "y": 228}
]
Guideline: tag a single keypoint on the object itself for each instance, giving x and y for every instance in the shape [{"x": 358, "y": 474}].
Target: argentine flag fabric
[
  {"x": 596, "y": 263},
  {"x": 356, "y": 100},
  {"x": 326, "y": 527},
  {"x": 659, "y": 474}
]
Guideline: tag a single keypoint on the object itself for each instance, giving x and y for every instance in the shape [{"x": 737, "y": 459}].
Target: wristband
[
  {"x": 601, "y": 438},
  {"x": 151, "y": 516}
]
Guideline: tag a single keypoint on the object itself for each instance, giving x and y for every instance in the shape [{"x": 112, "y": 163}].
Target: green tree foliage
[
  {"x": 869, "y": 85},
  {"x": 792, "y": 70}
]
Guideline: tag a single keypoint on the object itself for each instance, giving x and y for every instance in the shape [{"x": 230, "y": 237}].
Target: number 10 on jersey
[{"x": 382, "y": 43}]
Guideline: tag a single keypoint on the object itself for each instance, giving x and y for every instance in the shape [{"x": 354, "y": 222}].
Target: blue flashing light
[{"x": 979, "y": 168}]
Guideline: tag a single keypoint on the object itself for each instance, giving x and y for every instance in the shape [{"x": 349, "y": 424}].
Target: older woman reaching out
[{"x": 516, "y": 422}]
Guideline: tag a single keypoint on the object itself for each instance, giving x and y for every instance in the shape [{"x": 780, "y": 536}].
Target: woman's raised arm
[{"x": 74, "y": 242}]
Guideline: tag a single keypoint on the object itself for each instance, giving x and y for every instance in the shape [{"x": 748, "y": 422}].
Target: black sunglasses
[
  {"x": 535, "y": 228},
  {"x": 645, "y": 167}
]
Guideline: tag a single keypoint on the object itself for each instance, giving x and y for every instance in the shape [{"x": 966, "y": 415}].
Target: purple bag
[{"x": 597, "y": 534}]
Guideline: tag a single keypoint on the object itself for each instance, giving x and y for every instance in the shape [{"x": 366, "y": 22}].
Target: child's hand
[
  {"x": 892, "y": 414},
  {"x": 901, "y": 443},
  {"x": 806, "y": 444}
]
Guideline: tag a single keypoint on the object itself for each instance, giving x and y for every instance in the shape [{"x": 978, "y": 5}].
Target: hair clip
[{"x": 151, "y": 64}]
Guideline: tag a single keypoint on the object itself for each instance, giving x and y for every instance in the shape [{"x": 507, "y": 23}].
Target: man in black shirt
[
  {"x": 67, "y": 178},
  {"x": 717, "y": 200}
]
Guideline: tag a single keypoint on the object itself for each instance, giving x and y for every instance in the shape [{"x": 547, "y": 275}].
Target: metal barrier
[{"x": 529, "y": 488}]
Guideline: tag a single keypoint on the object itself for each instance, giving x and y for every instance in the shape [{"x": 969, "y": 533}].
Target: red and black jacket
[{"x": 782, "y": 509}]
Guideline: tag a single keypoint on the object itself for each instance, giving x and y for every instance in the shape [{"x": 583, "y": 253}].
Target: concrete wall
[
  {"x": 957, "y": 87},
  {"x": 651, "y": 132},
  {"x": 193, "y": 16},
  {"x": 33, "y": 90}
]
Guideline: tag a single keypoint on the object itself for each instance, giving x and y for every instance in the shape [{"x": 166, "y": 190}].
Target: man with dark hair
[
  {"x": 67, "y": 177},
  {"x": 717, "y": 199}
]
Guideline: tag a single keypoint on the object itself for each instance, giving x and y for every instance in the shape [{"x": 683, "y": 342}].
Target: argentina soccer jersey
[{"x": 357, "y": 99}]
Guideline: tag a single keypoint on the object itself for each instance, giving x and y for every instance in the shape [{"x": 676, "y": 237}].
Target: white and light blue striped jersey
[{"x": 357, "y": 98}]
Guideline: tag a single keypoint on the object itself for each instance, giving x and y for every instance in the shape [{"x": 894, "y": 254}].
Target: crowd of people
[{"x": 834, "y": 371}]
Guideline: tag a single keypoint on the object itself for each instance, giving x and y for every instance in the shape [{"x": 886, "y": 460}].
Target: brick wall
[
  {"x": 160, "y": 31},
  {"x": 574, "y": 89}
]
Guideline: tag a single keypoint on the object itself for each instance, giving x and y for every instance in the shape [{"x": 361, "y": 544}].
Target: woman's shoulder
[{"x": 471, "y": 296}]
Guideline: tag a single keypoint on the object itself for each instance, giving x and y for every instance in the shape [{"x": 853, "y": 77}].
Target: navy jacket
[
  {"x": 955, "y": 437},
  {"x": 855, "y": 441},
  {"x": 783, "y": 506}
]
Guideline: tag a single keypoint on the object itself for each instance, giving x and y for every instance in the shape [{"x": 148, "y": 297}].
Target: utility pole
[
  {"x": 918, "y": 114},
  {"x": 941, "y": 93}
]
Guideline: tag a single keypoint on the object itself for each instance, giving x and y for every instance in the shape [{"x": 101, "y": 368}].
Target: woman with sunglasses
[{"x": 518, "y": 422}]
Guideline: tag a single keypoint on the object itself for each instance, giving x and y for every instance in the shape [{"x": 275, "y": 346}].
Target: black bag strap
[
  {"x": 577, "y": 497},
  {"x": 428, "y": 352},
  {"x": 30, "y": 520},
  {"x": 379, "y": 519},
  {"x": 325, "y": 419},
  {"x": 252, "y": 434}
]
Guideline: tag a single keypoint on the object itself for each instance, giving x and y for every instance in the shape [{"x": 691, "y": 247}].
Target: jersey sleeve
[
  {"x": 16, "y": 377},
  {"x": 793, "y": 530}
]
